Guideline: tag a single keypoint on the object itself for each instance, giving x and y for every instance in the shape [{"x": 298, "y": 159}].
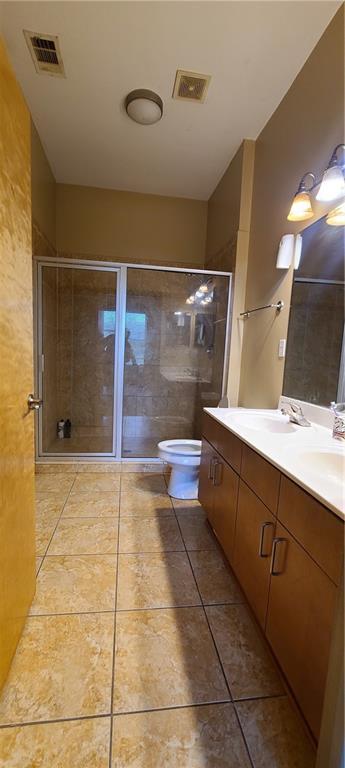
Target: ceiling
[{"x": 252, "y": 50}]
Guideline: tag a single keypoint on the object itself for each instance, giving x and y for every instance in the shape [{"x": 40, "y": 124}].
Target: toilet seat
[{"x": 181, "y": 447}]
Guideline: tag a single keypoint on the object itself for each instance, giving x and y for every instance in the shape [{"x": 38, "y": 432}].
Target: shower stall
[{"x": 127, "y": 355}]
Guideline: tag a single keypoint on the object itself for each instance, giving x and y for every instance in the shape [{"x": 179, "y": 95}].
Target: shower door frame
[{"x": 121, "y": 269}]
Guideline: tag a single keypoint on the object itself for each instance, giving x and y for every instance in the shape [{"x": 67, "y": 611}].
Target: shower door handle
[{"x": 34, "y": 403}]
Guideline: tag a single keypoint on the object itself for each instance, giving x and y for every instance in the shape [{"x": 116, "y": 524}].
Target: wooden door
[
  {"x": 226, "y": 483},
  {"x": 255, "y": 527},
  {"x": 299, "y": 623},
  {"x": 206, "y": 487},
  {"x": 17, "y": 551}
]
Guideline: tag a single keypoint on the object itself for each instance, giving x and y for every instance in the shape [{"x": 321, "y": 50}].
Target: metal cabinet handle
[
  {"x": 211, "y": 468},
  {"x": 262, "y": 537},
  {"x": 217, "y": 479},
  {"x": 278, "y": 540},
  {"x": 34, "y": 402}
]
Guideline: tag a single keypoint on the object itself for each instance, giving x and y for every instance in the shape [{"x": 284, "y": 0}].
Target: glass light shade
[
  {"x": 285, "y": 252},
  {"x": 336, "y": 218},
  {"x": 144, "y": 111},
  {"x": 332, "y": 184},
  {"x": 144, "y": 106},
  {"x": 301, "y": 207}
]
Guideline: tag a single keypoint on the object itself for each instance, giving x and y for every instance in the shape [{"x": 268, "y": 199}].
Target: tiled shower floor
[{"x": 139, "y": 651}]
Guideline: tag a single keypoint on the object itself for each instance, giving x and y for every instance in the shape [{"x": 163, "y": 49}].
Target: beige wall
[
  {"x": 299, "y": 137},
  {"x": 240, "y": 267},
  {"x": 127, "y": 226},
  {"x": 223, "y": 216},
  {"x": 43, "y": 190},
  {"x": 227, "y": 245}
]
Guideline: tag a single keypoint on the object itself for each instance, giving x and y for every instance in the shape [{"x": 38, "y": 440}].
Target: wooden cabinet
[
  {"x": 287, "y": 551},
  {"x": 319, "y": 531},
  {"x": 255, "y": 529},
  {"x": 206, "y": 487},
  {"x": 218, "y": 490},
  {"x": 299, "y": 623},
  {"x": 262, "y": 477},
  {"x": 226, "y": 483},
  {"x": 226, "y": 443}
]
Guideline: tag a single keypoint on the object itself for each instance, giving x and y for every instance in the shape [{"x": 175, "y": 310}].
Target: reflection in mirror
[{"x": 314, "y": 358}]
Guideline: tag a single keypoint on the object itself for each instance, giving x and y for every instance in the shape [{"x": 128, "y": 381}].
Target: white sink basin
[
  {"x": 325, "y": 464},
  {"x": 274, "y": 424}
]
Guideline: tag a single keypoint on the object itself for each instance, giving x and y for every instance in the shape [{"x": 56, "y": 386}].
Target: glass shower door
[
  {"x": 76, "y": 360},
  {"x": 174, "y": 355}
]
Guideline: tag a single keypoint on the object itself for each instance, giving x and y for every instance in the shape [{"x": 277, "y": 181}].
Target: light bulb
[{"x": 203, "y": 288}]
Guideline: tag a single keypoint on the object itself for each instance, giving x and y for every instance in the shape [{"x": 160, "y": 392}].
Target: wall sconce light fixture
[
  {"x": 336, "y": 218},
  {"x": 331, "y": 187}
]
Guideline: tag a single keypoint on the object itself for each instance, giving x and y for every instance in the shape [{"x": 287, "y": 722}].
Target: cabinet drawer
[
  {"x": 261, "y": 476},
  {"x": 225, "y": 442},
  {"x": 319, "y": 531}
]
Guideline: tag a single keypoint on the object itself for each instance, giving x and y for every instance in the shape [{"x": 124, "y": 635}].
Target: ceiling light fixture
[
  {"x": 144, "y": 107},
  {"x": 331, "y": 186}
]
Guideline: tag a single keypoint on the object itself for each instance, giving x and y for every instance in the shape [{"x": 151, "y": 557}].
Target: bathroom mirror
[{"x": 314, "y": 366}]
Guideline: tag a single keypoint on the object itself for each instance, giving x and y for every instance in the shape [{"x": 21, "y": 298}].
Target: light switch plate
[{"x": 282, "y": 348}]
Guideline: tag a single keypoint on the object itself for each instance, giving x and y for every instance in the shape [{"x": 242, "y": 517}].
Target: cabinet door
[
  {"x": 206, "y": 487},
  {"x": 255, "y": 528},
  {"x": 299, "y": 623},
  {"x": 226, "y": 483}
]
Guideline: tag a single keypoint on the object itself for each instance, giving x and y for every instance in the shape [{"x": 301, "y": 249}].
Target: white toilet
[{"x": 184, "y": 459}]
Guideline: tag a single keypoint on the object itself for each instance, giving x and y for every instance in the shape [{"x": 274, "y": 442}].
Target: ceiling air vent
[
  {"x": 45, "y": 53},
  {"x": 190, "y": 86}
]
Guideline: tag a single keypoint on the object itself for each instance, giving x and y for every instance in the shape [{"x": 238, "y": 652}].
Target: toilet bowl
[{"x": 184, "y": 459}]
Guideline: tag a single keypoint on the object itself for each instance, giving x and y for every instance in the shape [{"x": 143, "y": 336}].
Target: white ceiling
[{"x": 252, "y": 50}]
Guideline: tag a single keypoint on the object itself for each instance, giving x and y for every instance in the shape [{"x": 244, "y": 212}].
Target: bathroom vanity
[{"x": 272, "y": 494}]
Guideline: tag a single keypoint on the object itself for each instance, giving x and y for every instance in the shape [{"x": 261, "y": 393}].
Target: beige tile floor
[{"x": 139, "y": 651}]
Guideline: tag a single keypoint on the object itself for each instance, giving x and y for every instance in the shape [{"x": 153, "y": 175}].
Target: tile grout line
[
  {"x": 126, "y": 713},
  {"x": 57, "y": 523},
  {"x": 216, "y": 649},
  {"x": 115, "y": 625},
  {"x": 203, "y": 607}
]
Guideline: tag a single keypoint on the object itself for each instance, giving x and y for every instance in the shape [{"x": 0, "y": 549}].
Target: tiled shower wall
[
  {"x": 50, "y": 346},
  {"x": 79, "y": 359}
]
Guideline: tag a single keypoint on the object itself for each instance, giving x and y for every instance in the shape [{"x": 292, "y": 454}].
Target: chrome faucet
[
  {"x": 338, "y": 431},
  {"x": 295, "y": 414}
]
